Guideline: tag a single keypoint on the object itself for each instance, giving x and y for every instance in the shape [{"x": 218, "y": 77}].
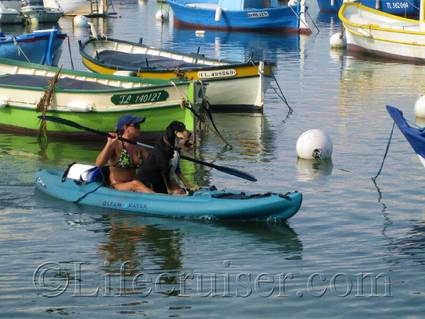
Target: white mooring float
[
  {"x": 420, "y": 107},
  {"x": 337, "y": 41},
  {"x": 81, "y": 21},
  {"x": 314, "y": 145}
]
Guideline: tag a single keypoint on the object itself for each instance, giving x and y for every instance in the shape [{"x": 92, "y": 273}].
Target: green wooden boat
[{"x": 93, "y": 100}]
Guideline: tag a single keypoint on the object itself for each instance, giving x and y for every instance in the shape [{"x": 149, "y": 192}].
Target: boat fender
[
  {"x": 218, "y": 13},
  {"x": 81, "y": 21},
  {"x": 77, "y": 106},
  {"x": 3, "y": 103},
  {"x": 419, "y": 107},
  {"x": 125, "y": 73},
  {"x": 314, "y": 144},
  {"x": 337, "y": 41}
]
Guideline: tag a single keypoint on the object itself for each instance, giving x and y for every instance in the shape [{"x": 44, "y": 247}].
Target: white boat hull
[
  {"x": 70, "y": 7},
  {"x": 11, "y": 4},
  {"x": 47, "y": 15},
  {"x": 238, "y": 94},
  {"x": 375, "y": 32}
]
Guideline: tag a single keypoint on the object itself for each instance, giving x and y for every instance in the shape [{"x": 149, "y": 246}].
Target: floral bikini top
[{"x": 125, "y": 160}]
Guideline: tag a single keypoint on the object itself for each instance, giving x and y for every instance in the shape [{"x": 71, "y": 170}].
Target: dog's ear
[{"x": 171, "y": 136}]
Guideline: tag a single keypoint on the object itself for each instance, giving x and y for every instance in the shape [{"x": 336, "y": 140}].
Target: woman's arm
[{"x": 107, "y": 152}]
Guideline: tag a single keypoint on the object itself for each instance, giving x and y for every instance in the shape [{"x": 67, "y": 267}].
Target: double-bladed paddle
[{"x": 227, "y": 170}]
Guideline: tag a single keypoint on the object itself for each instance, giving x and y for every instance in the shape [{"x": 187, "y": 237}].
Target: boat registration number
[
  {"x": 397, "y": 5},
  {"x": 139, "y": 98},
  {"x": 259, "y": 14},
  {"x": 228, "y": 73}
]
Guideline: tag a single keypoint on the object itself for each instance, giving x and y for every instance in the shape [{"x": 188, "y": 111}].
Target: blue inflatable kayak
[{"x": 205, "y": 203}]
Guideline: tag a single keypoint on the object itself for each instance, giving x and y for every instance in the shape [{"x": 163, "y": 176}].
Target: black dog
[{"x": 158, "y": 168}]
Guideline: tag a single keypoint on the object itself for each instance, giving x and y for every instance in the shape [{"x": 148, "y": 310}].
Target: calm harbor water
[{"x": 60, "y": 259}]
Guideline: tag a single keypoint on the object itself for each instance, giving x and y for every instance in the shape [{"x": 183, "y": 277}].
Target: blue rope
[{"x": 386, "y": 152}]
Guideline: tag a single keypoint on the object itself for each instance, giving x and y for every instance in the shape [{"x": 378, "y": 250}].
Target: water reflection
[
  {"x": 56, "y": 152},
  {"x": 362, "y": 78},
  {"x": 252, "y": 137},
  {"x": 237, "y": 46},
  {"x": 152, "y": 244},
  {"x": 309, "y": 170},
  {"x": 279, "y": 237},
  {"x": 27, "y": 28},
  {"x": 408, "y": 246},
  {"x": 134, "y": 243},
  {"x": 330, "y": 20}
]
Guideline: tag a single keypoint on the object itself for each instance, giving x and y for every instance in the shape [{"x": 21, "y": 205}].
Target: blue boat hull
[
  {"x": 396, "y": 7},
  {"x": 415, "y": 136},
  {"x": 282, "y": 19},
  {"x": 39, "y": 47},
  {"x": 202, "y": 204}
]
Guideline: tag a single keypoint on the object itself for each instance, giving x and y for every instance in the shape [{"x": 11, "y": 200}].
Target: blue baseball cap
[{"x": 129, "y": 119}]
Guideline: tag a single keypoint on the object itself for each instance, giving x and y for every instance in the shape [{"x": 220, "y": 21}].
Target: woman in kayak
[{"x": 123, "y": 158}]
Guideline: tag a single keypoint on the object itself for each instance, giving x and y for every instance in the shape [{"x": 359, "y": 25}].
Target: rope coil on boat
[{"x": 43, "y": 105}]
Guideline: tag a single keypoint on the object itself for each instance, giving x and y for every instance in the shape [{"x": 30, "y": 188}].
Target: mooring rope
[
  {"x": 186, "y": 103},
  {"x": 386, "y": 152},
  {"x": 15, "y": 42},
  {"x": 70, "y": 53}
]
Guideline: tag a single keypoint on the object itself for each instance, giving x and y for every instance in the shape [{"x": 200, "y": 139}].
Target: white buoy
[
  {"x": 218, "y": 13},
  {"x": 200, "y": 33},
  {"x": 161, "y": 15},
  {"x": 337, "y": 41},
  {"x": 420, "y": 107},
  {"x": 81, "y": 21},
  {"x": 314, "y": 144}
]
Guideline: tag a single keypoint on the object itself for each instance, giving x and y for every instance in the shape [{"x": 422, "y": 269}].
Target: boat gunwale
[
  {"x": 30, "y": 37},
  {"x": 348, "y": 22},
  {"x": 97, "y": 91},
  {"x": 118, "y": 78}
]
